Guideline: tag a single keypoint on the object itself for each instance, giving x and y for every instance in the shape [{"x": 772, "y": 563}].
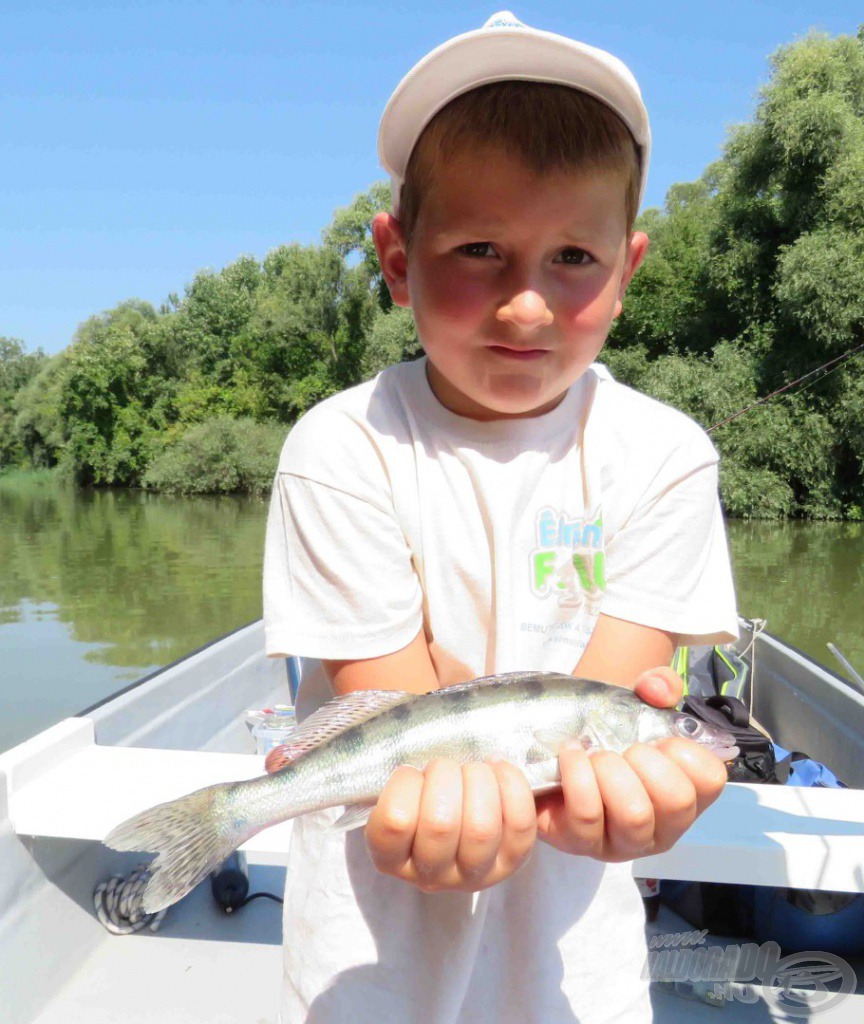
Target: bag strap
[{"x": 719, "y": 710}]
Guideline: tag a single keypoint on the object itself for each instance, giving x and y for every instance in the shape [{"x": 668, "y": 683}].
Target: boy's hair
[{"x": 548, "y": 127}]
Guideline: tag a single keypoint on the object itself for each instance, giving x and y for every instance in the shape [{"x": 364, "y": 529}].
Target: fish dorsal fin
[
  {"x": 333, "y": 718},
  {"x": 503, "y": 679},
  {"x": 457, "y": 687},
  {"x": 509, "y": 679}
]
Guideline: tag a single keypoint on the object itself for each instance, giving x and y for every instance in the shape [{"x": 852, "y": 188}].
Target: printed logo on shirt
[{"x": 569, "y": 561}]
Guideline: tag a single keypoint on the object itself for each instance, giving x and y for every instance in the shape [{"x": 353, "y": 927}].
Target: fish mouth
[
  {"x": 720, "y": 743},
  {"x": 726, "y": 753}
]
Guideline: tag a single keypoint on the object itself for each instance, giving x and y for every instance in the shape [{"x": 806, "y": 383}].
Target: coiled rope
[{"x": 118, "y": 903}]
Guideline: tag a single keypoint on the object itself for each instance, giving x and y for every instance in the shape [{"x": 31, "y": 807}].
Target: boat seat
[{"x": 63, "y": 784}]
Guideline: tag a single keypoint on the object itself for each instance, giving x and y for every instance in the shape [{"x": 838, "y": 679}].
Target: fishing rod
[{"x": 825, "y": 369}]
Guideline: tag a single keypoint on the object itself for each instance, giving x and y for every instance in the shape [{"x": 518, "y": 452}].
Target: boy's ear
[
  {"x": 392, "y": 256},
  {"x": 636, "y": 249}
]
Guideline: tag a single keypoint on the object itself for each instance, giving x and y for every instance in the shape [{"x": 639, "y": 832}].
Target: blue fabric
[{"x": 807, "y": 772}]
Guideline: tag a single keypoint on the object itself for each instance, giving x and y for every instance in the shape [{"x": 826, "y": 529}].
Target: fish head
[
  {"x": 658, "y": 723},
  {"x": 712, "y": 737}
]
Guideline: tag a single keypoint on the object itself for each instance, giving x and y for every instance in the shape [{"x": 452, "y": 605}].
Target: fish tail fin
[{"x": 192, "y": 836}]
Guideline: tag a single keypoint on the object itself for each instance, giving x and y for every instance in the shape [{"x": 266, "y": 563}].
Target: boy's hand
[
  {"x": 616, "y": 807},
  {"x": 451, "y": 827}
]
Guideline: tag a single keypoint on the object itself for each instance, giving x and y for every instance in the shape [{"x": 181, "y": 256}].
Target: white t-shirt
[{"x": 503, "y": 541}]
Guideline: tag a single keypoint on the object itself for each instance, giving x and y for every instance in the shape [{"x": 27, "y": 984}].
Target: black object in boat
[{"x": 230, "y": 883}]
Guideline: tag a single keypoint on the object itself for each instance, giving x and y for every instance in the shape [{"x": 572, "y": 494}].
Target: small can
[{"x": 650, "y": 891}]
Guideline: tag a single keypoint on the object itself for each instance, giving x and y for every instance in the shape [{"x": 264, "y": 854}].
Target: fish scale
[{"x": 345, "y": 753}]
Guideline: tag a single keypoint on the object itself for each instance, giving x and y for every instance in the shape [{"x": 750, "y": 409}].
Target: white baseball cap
[{"x": 504, "y": 49}]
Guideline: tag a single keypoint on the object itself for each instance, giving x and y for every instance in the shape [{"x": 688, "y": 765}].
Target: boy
[{"x": 501, "y": 504}]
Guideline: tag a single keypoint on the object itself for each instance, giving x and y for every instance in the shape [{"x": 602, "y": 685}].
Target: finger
[
  {"x": 482, "y": 822},
  {"x": 628, "y": 811},
  {"x": 518, "y": 814},
  {"x": 439, "y": 823},
  {"x": 704, "y": 769},
  {"x": 669, "y": 789},
  {"x": 660, "y": 686},
  {"x": 392, "y": 825},
  {"x": 583, "y": 813}
]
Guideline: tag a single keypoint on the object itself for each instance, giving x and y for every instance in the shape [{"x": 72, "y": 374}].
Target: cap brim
[{"x": 516, "y": 54}]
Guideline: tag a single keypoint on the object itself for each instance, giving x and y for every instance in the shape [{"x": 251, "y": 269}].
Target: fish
[{"x": 344, "y": 753}]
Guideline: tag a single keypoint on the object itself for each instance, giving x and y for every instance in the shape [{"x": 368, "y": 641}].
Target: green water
[{"x": 99, "y": 587}]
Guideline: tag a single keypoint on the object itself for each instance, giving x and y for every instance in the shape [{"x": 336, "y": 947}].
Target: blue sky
[{"x": 143, "y": 141}]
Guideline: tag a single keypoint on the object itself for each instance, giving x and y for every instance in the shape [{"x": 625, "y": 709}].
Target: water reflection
[
  {"x": 99, "y": 587},
  {"x": 130, "y": 570},
  {"x": 807, "y": 580}
]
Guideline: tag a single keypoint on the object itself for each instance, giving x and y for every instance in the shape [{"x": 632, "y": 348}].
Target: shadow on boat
[{"x": 72, "y": 865}]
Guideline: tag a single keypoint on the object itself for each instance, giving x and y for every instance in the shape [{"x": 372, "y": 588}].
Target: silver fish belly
[{"x": 346, "y": 751}]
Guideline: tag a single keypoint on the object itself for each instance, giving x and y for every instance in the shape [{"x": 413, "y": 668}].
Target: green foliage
[
  {"x": 665, "y": 307},
  {"x": 392, "y": 339},
  {"x": 219, "y": 456},
  {"x": 115, "y": 398},
  {"x": 819, "y": 289},
  {"x": 17, "y": 369},
  {"x": 754, "y": 276},
  {"x": 350, "y": 235},
  {"x": 758, "y": 270},
  {"x": 38, "y": 425}
]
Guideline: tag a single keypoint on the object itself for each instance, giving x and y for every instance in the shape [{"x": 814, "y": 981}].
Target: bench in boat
[{"x": 65, "y": 785}]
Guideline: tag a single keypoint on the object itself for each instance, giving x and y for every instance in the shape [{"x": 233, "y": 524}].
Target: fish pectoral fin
[
  {"x": 552, "y": 740},
  {"x": 598, "y": 737},
  {"x": 543, "y": 776},
  {"x": 354, "y": 816},
  {"x": 591, "y": 738}
]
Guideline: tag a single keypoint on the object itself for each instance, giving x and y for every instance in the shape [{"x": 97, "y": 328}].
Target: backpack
[{"x": 798, "y": 919}]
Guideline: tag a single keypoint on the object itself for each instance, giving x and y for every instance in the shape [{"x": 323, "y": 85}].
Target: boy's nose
[{"x": 527, "y": 310}]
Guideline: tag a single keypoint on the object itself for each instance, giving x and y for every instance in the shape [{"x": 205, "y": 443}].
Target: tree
[
  {"x": 766, "y": 252},
  {"x": 116, "y": 396},
  {"x": 350, "y": 235},
  {"x": 38, "y": 425},
  {"x": 17, "y": 369}
]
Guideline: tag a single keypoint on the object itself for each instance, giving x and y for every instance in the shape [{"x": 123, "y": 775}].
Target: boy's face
[{"x": 514, "y": 279}]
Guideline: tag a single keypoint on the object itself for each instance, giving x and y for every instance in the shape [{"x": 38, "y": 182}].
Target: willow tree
[
  {"x": 17, "y": 368},
  {"x": 766, "y": 253}
]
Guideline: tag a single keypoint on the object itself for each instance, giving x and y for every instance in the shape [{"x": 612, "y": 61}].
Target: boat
[{"x": 186, "y": 726}]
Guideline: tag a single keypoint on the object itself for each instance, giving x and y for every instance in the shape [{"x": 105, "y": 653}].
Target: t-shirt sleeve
[
  {"x": 667, "y": 565},
  {"x": 339, "y": 582}
]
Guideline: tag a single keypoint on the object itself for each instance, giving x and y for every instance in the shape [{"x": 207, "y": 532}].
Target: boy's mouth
[{"x": 518, "y": 353}]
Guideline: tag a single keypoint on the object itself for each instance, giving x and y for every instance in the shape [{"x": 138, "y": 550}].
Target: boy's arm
[
  {"x": 618, "y": 807},
  {"x": 619, "y": 652},
  {"x": 410, "y": 669},
  {"x": 419, "y": 667}
]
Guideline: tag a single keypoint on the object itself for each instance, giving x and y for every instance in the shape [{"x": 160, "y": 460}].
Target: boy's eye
[
  {"x": 574, "y": 257},
  {"x": 477, "y": 249}
]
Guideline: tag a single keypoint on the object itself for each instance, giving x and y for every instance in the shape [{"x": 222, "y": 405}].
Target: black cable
[{"x": 266, "y": 895}]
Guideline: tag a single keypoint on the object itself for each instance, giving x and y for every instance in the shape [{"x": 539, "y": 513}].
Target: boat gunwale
[
  {"x": 785, "y": 644},
  {"x": 161, "y": 670}
]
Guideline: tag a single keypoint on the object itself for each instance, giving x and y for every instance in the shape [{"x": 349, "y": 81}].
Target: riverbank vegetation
[{"x": 754, "y": 277}]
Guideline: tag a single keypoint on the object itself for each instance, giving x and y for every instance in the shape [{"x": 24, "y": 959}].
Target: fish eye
[{"x": 689, "y": 726}]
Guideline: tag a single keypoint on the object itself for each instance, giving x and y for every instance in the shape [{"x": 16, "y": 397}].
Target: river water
[{"x": 99, "y": 587}]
